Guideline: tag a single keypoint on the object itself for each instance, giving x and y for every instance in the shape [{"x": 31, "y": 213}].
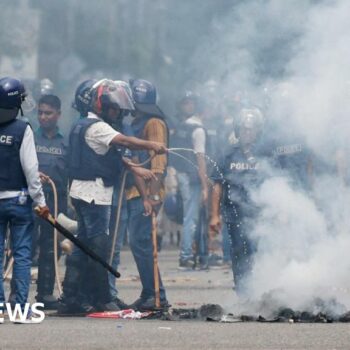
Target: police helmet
[
  {"x": 250, "y": 118},
  {"x": 189, "y": 95},
  {"x": 46, "y": 87},
  {"x": 82, "y": 98},
  {"x": 106, "y": 94},
  {"x": 12, "y": 94},
  {"x": 144, "y": 94}
]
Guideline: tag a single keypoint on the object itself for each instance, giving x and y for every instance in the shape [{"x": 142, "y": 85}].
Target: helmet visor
[{"x": 114, "y": 94}]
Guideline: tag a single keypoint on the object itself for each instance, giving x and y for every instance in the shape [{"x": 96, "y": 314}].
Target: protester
[
  {"x": 149, "y": 124},
  {"x": 192, "y": 177}
]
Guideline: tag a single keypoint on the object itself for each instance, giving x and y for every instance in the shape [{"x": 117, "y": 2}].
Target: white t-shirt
[
  {"x": 198, "y": 135},
  {"x": 98, "y": 136}
]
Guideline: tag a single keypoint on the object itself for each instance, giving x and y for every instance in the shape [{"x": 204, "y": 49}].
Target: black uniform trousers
[
  {"x": 239, "y": 222},
  {"x": 46, "y": 270}
]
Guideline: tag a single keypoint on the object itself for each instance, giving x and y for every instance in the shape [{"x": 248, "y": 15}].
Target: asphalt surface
[{"x": 185, "y": 289}]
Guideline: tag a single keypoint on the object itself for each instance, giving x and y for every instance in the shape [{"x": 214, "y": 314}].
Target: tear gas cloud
[
  {"x": 302, "y": 238},
  {"x": 288, "y": 57}
]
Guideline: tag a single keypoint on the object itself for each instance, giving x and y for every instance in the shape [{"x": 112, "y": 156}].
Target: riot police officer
[
  {"x": 82, "y": 97},
  {"x": 20, "y": 186},
  {"x": 51, "y": 149},
  {"x": 239, "y": 172}
]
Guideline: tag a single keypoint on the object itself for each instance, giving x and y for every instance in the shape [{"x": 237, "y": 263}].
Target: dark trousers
[
  {"x": 46, "y": 271},
  {"x": 201, "y": 236},
  {"x": 85, "y": 279},
  {"x": 242, "y": 248}
]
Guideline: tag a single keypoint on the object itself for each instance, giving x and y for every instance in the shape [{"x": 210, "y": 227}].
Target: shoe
[
  {"x": 25, "y": 320},
  {"x": 186, "y": 264},
  {"x": 49, "y": 301},
  {"x": 149, "y": 305},
  {"x": 203, "y": 266},
  {"x": 227, "y": 264},
  {"x": 66, "y": 308},
  {"x": 215, "y": 261},
  {"x": 111, "y": 306},
  {"x": 120, "y": 303}
]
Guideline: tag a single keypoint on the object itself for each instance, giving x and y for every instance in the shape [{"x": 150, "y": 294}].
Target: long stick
[
  {"x": 9, "y": 256},
  {"x": 51, "y": 220},
  {"x": 155, "y": 259},
  {"x": 119, "y": 208},
  {"x": 55, "y": 238}
]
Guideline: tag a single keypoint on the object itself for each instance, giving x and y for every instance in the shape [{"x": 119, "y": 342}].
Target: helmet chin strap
[{"x": 20, "y": 108}]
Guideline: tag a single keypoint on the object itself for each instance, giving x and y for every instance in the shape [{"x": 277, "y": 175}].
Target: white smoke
[{"x": 303, "y": 239}]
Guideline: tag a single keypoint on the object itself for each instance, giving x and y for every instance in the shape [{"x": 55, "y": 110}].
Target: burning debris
[{"x": 215, "y": 313}]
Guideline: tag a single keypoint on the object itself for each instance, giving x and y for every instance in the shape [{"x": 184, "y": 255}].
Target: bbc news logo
[{"x": 16, "y": 313}]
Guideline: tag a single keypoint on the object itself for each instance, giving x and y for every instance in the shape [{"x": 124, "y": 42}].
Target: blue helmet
[
  {"x": 12, "y": 94},
  {"x": 144, "y": 94},
  {"x": 83, "y": 97}
]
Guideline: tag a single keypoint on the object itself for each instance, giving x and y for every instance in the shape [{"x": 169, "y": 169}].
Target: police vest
[
  {"x": 292, "y": 159},
  {"x": 85, "y": 164},
  {"x": 241, "y": 172},
  {"x": 52, "y": 159},
  {"x": 12, "y": 177},
  {"x": 182, "y": 138}
]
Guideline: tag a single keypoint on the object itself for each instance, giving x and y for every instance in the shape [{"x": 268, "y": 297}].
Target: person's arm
[
  {"x": 142, "y": 188},
  {"x": 144, "y": 173},
  {"x": 215, "y": 221},
  {"x": 138, "y": 144},
  {"x": 198, "y": 138},
  {"x": 202, "y": 172},
  {"x": 30, "y": 166},
  {"x": 156, "y": 130}
]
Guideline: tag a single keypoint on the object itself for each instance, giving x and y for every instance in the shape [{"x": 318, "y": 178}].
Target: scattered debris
[
  {"x": 345, "y": 317},
  {"x": 128, "y": 314},
  {"x": 230, "y": 318},
  {"x": 215, "y": 313},
  {"x": 211, "y": 312}
]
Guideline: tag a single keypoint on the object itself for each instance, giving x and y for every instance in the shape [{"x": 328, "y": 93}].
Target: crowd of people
[{"x": 111, "y": 175}]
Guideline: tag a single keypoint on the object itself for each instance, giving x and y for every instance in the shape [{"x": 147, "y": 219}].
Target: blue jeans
[
  {"x": 141, "y": 245},
  {"x": 19, "y": 219},
  {"x": 191, "y": 196},
  {"x": 93, "y": 220},
  {"x": 122, "y": 230},
  {"x": 93, "y": 230}
]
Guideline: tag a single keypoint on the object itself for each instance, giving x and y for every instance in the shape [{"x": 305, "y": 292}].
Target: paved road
[{"x": 185, "y": 289}]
